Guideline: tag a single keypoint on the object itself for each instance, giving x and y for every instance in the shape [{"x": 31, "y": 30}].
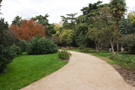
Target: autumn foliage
[{"x": 27, "y": 30}]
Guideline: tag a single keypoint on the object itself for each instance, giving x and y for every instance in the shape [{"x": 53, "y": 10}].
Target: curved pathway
[{"x": 83, "y": 72}]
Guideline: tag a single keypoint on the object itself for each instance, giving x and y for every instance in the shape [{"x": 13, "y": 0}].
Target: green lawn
[
  {"x": 103, "y": 53},
  {"x": 72, "y": 49},
  {"x": 26, "y": 69}
]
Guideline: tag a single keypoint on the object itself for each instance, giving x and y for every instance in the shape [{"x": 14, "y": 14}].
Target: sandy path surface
[{"x": 83, "y": 72}]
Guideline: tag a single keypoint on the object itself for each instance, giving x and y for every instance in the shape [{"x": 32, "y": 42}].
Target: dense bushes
[
  {"x": 15, "y": 49},
  {"x": 40, "y": 45},
  {"x": 23, "y": 45},
  {"x": 125, "y": 61},
  {"x": 64, "y": 55},
  {"x": 6, "y": 56}
]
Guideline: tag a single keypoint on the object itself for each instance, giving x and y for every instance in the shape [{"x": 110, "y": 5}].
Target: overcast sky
[{"x": 55, "y": 8}]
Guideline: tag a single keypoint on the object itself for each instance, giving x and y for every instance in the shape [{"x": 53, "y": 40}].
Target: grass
[
  {"x": 26, "y": 69},
  {"x": 72, "y": 49},
  {"x": 103, "y": 53}
]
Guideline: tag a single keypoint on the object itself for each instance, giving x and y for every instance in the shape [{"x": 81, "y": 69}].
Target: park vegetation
[{"x": 100, "y": 26}]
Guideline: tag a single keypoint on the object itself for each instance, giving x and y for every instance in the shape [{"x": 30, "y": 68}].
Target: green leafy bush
[
  {"x": 42, "y": 45},
  {"x": 15, "y": 49},
  {"x": 23, "y": 45},
  {"x": 6, "y": 56},
  {"x": 64, "y": 55},
  {"x": 125, "y": 61},
  {"x": 87, "y": 50}
]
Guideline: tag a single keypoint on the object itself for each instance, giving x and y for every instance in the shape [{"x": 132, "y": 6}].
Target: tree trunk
[
  {"x": 117, "y": 32},
  {"x": 112, "y": 46},
  {"x": 97, "y": 47}
]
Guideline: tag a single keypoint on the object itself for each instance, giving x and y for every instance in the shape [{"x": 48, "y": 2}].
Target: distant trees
[{"x": 27, "y": 30}]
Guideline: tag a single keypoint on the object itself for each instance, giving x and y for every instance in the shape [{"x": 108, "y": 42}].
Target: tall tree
[
  {"x": 108, "y": 26},
  {"x": 118, "y": 7},
  {"x": 83, "y": 22}
]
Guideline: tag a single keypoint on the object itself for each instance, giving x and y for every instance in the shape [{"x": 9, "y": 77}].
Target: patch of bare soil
[{"x": 128, "y": 75}]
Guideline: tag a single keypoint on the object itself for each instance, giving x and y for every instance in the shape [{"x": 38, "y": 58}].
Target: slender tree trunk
[
  {"x": 112, "y": 46},
  {"x": 117, "y": 32},
  {"x": 97, "y": 47}
]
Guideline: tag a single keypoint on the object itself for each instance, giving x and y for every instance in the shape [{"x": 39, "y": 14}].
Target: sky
[{"x": 55, "y": 8}]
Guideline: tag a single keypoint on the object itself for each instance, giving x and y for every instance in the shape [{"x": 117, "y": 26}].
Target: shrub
[
  {"x": 125, "y": 61},
  {"x": 23, "y": 45},
  {"x": 42, "y": 45},
  {"x": 6, "y": 56},
  {"x": 64, "y": 55},
  {"x": 15, "y": 49},
  {"x": 87, "y": 50}
]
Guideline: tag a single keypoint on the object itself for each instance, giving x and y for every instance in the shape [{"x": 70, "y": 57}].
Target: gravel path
[{"x": 83, "y": 72}]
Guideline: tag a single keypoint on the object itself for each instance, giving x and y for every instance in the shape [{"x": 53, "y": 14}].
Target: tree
[
  {"x": 17, "y": 21},
  {"x": 66, "y": 37},
  {"x": 0, "y": 5},
  {"x": 69, "y": 21},
  {"x": 83, "y": 23},
  {"x": 118, "y": 7},
  {"x": 131, "y": 16},
  {"x": 45, "y": 22},
  {"x": 97, "y": 34},
  {"x": 125, "y": 26},
  {"x": 4, "y": 36},
  {"x": 108, "y": 25},
  {"x": 128, "y": 43},
  {"x": 71, "y": 17},
  {"x": 28, "y": 29}
]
